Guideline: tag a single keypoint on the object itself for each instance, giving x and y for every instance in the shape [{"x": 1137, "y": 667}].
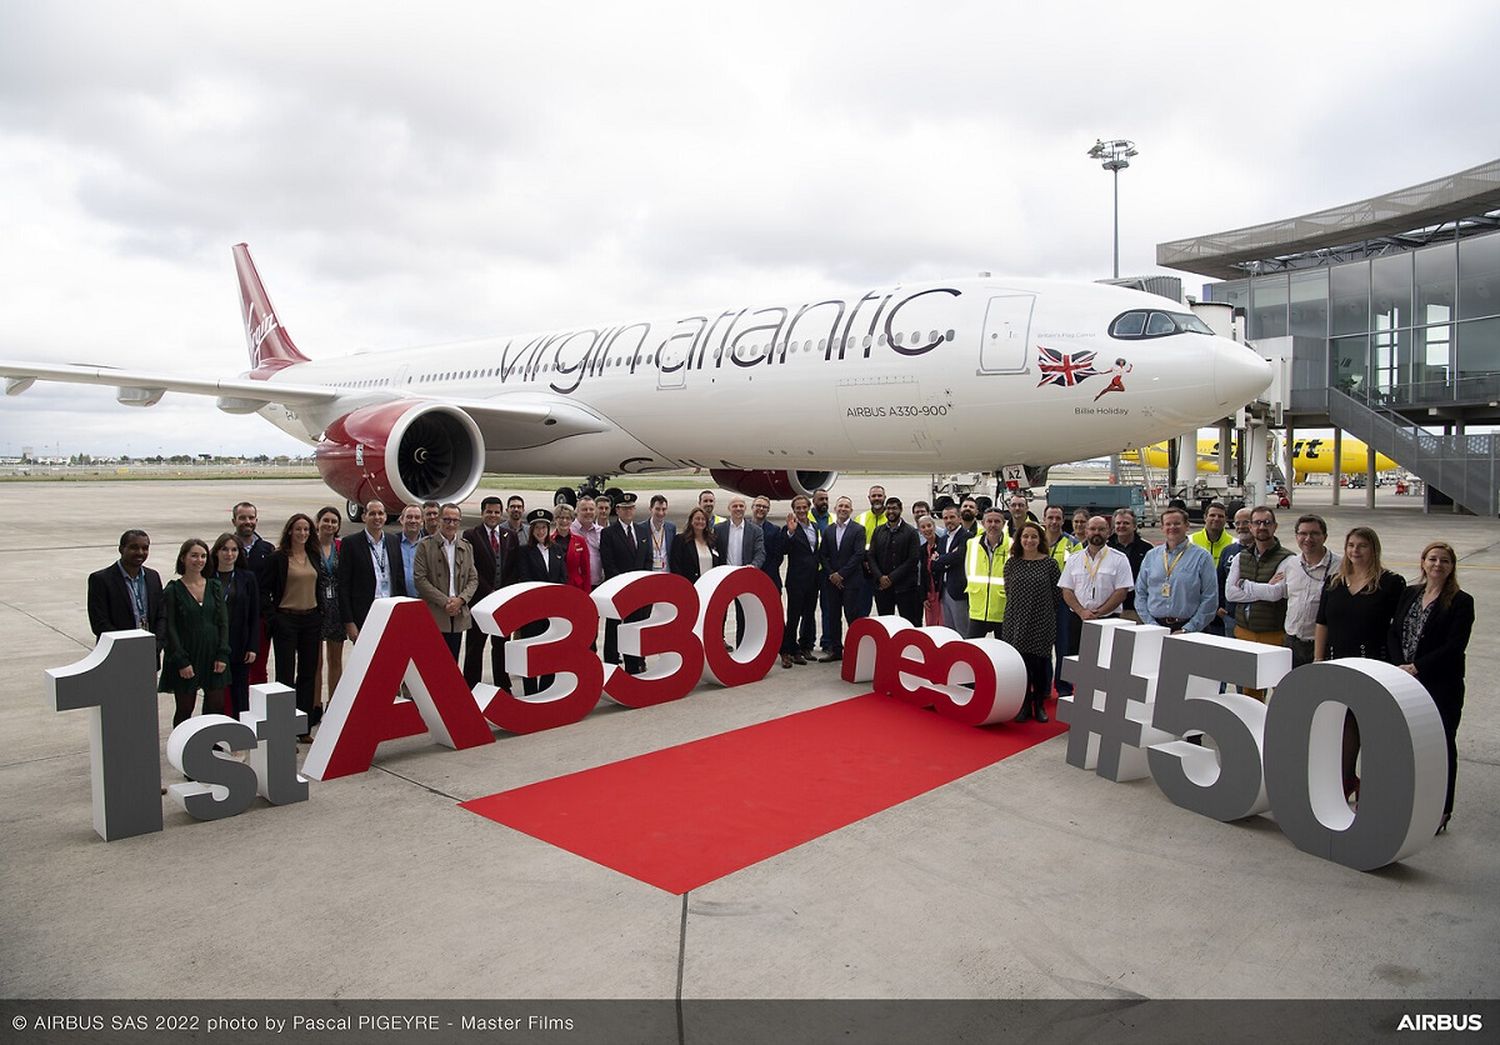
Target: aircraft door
[
  {"x": 672, "y": 360},
  {"x": 1007, "y": 333}
]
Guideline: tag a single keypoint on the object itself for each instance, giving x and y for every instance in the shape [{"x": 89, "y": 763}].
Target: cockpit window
[{"x": 1145, "y": 323}]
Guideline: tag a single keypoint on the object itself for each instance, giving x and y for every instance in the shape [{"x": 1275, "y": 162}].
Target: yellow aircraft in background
[{"x": 1308, "y": 456}]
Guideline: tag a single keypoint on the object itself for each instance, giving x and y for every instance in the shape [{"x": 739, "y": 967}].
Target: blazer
[
  {"x": 530, "y": 568},
  {"x": 801, "y": 558},
  {"x": 668, "y": 534},
  {"x": 242, "y": 593},
  {"x": 845, "y": 559},
  {"x": 274, "y": 587},
  {"x": 576, "y": 554},
  {"x": 1440, "y": 651},
  {"x": 110, "y": 607},
  {"x": 949, "y": 565},
  {"x": 615, "y": 554},
  {"x": 775, "y": 545},
  {"x": 484, "y": 558},
  {"x": 684, "y": 558},
  {"x": 256, "y": 558},
  {"x": 893, "y": 553},
  {"x": 357, "y": 574},
  {"x": 430, "y": 569},
  {"x": 753, "y": 549}
]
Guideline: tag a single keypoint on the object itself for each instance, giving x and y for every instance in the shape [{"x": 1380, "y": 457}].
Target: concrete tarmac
[{"x": 1028, "y": 879}]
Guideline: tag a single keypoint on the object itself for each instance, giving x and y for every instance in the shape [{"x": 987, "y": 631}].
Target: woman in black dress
[
  {"x": 1030, "y": 624},
  {"x": 195, "y": 650},
  {"x": 1428, "y": 639},
  {"x": 1354, "y": 620},
  {"x": 242, "y": 595}
]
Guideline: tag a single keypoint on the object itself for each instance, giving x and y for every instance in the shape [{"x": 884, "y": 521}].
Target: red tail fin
[{"x": 271, "y": 347}]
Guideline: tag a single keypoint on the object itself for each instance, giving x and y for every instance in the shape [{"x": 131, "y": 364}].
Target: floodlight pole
[{"x": 1115, "y": 157}]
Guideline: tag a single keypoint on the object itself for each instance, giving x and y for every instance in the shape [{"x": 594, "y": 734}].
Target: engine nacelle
[
  {"x": 402, "y": 453},
  {"x": 766, "y": 482}
]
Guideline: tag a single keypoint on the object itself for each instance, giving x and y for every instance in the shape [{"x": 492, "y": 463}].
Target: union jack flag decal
[{"x": 1065, "y": 369}]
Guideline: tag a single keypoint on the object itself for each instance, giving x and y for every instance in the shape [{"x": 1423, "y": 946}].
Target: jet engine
[
  {"x": 765, "y": 482},
  {"x": 402, "y": 453}
]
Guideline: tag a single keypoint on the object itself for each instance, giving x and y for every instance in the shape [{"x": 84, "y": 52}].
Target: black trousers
[
  {"x": 907, "y": 603},
  {"x": 633, "y": 665},
  {"x": 530, "y": 684},
  {"x": 454, "y": 641},
  {"x": 1038, "y": 679},
  {"x": 295, "y": 637},
  {"x": 474, "y": 658},
  {"x": 1451, "y": 711},
  {"x": 978, "y": 629},
  {"x": 801, "y": 609}
]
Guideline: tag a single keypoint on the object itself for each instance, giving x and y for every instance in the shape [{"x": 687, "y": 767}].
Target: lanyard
[
  {"x": 1170, "y": 563},
  {"x": 136, "y": 588},
  {"x": 377, "y": 555}
]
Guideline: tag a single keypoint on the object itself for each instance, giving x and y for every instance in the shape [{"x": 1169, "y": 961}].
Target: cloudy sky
[{"x": 412, "y": 174}]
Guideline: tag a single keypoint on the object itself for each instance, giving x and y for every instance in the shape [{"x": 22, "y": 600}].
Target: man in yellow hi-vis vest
[{"x": 984, "y": 576}]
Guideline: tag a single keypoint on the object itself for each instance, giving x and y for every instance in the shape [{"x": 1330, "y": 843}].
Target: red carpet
[{"x": 687, "y": 815}]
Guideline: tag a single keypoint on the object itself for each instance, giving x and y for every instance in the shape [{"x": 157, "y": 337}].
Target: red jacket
[{"x": 577, "y": 558}]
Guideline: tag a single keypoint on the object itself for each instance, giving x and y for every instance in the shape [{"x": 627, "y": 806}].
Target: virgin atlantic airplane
[{"x": 959, "y": 375}]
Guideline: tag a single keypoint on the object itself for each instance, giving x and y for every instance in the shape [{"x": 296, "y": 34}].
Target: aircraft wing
[{"x": 148, "y": 387}]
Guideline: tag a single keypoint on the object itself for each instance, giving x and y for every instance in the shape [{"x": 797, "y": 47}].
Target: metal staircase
[{"x": 1465, "y": 467}]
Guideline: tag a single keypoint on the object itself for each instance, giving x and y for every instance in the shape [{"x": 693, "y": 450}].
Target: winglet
[{"x": 271, "y": 347}]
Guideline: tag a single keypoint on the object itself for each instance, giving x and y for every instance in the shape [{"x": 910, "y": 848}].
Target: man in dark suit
[
  {"x": 775, "y": 539},
  {"x": 893, "y": 551},
  {"x": 255, "y": 551},
  {"x": 496, "y": 559},
  {"x": 660, "y": 532},
  {"x": 624, "y": 545},
  {"x": 799, "y": 541},
  {"x": 842, "y": 553},
  {"x": 742, "y": 543},
  {"x": 370, "y": 568},
  {"x": 127, "y": 594},
  {"x": 949, "y": 567}
]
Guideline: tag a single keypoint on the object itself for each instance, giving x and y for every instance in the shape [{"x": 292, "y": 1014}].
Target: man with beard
[
  {"x": 1095, "y": 581},
  {"x": 892, "y": 556},
  {"x": 255, "y": 550},
  {"x": 775, "y": 539},
  {"x": 515, "y": 517},
  {"x": 870, "y": 520}
]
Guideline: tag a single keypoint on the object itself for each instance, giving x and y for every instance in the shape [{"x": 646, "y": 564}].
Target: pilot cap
[
  {"x": 624, "y": 499},
  {"x": 537, "y": 515}
]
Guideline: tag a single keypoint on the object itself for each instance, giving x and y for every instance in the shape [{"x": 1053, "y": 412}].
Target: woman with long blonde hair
[
  {"x": 1428, "y": 639},
  {"x": 1354, "y": 620}
]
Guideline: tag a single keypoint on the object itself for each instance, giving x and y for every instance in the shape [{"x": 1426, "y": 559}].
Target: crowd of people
[{"x": 243, "y": 603}]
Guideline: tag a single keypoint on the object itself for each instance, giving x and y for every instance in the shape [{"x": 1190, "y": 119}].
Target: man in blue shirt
[
  {"x": 1177, "y": 585},
  {"x": 412, "y": 533}
]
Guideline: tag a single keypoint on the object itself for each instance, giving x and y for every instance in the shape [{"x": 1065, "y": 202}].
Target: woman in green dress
[{"x": 195, "y": 655}]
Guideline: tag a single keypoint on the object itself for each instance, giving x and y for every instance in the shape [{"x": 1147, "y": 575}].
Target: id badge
[
  {"x": 1166, "y": 591},
  {"x": 328, "y": 592}
]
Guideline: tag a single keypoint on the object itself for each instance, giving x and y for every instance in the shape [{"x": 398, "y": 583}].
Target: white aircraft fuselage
[{"x": 956, "y": 375}]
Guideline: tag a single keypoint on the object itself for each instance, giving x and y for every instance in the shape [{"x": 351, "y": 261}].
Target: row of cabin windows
[
  {"x": 371, "y": 382},
  {"x": 789, "y": 347}
]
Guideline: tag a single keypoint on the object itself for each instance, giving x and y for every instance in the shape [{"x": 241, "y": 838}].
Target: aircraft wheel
[
  {"x": 355, "y": 511},
  {"x": 565, "y": 495}
]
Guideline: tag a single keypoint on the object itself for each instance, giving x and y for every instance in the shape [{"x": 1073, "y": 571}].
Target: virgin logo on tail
[{"x": 257, "y": 333}]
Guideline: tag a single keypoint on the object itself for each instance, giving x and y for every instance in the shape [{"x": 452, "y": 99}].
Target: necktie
[
  {"x": 494, "y": 542},
  {"x": 631, "y": 531}
]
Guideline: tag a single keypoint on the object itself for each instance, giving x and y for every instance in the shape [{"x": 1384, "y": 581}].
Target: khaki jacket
[{"x": 429, "y": 569}]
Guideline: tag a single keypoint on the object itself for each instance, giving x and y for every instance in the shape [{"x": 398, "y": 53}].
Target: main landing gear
[
  {"x": 589, "y": 486},
  {"x": 355, "y": 511}
]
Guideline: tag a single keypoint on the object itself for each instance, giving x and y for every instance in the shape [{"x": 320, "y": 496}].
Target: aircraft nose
[{"x": 1239, "y": 374}]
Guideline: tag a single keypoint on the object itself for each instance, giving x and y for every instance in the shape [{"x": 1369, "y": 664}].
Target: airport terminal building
[{"x": 1391, "y": 307}]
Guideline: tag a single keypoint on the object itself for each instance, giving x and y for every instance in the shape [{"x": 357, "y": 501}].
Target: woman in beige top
[{"x": 291, "y": 604}]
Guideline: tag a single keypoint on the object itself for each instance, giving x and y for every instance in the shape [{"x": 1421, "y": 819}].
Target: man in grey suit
[{"x": 743, "y": 543}]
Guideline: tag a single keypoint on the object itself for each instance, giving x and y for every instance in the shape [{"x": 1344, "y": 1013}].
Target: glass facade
[{"x": 1417, "y": 326}]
